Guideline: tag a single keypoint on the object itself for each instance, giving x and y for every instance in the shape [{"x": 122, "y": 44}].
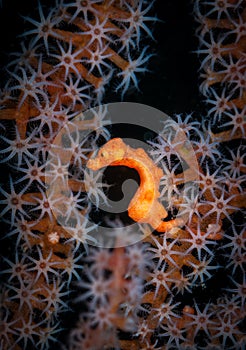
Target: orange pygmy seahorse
[{"x": 144, "y": 206}]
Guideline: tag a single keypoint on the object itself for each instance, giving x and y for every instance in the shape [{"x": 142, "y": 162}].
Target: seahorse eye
[{"x": 104, "y": 154}]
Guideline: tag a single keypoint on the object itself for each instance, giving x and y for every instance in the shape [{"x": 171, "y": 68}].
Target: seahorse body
[{"x": 144, "y": 206}]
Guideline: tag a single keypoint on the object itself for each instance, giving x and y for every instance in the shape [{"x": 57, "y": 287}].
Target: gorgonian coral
[{"x": 179, "y": 288}]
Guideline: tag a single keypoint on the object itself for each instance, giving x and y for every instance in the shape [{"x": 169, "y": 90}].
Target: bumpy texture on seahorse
[{"x": 144, "y": 206}]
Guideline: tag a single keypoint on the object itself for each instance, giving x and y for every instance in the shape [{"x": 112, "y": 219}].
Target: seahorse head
[{"x": 108, "y": 154}]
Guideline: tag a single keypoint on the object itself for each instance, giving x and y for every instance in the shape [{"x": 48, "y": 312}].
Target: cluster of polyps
[
  {"x": 69, "y": 56},
  {"x": 73, "y": 53}
]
